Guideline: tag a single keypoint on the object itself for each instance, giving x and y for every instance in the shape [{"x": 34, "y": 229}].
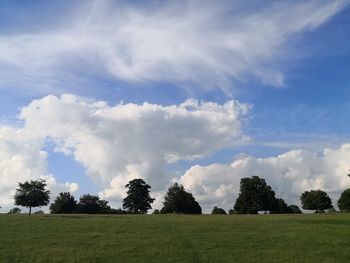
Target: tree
[
  {"x": 15, "y": 210},
  {"x": 32, "y": 194},
  {"x": 92, "y": 204},
  {"x": 138, "y": 200},
  {"x": 280, "y": 207},
  {"x": 294, "y": 209},
  {"x": 177, "y": 200},
  {"x": 344, "y": 201},
  {"x": 255, "y": 195},
  {"x": 64, "y": 204},
  {"x": 218, "y": 211},
  {"x": 315, "y": 200}
]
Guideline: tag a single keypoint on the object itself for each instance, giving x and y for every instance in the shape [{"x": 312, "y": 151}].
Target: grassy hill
[{"x": 175, "y": 238}]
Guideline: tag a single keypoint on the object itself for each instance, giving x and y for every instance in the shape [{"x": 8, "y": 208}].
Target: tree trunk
[{"x": 30, "y": 210}]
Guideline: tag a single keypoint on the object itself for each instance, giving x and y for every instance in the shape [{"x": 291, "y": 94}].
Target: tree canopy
[
  {"x": 64, "y": 204},
  {"x": 315, "y": 200},
  {"x": 280, "y": 207},
  {"x": 32, "y": 194},
  {"x": 92, "y": 204},
  {"x": 177, "y": 200},
  {"x": 344, "y": 201},
  {"x": 255, "y": 195},
  {"x": 138, "y": 200},
  {"x": 218, "y": 211}
]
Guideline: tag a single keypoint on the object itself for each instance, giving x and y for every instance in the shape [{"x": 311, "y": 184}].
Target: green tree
[
  {"x": 32, "y": 194},
  {"x": 138, "y": 200},
  {"x": 218, "y": 211},
  {"x": 64, "y": 204},
  {"x": 315, "y": 200},
  {"x": 344, "y": 201},
  {"x": 280, "y": 207},
  {"x": 255, "y": 195},
  {"x": 92, "y": 204},
  {"x": 177, "y": 200}
]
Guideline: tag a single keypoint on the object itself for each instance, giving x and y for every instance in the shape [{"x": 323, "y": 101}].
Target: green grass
[{"x": 175, "y": 238}]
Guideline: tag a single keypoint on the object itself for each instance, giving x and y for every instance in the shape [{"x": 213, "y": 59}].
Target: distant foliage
[
  {"x": 138, "y": 200},
  {"x": 231, "y": 212},
  {"x": 15, "y": 210},
  {"x": 156, "y": 212},
  {"x": 315, "y": 200},
  {"x": 92, "y": 204},
  {"x": 177, "y": 200},
  {"x": 64, "y": 204},
  {"x": 294, "y": 209},
  {"x": 32, "y": 194},
  {"x": 344, "y": 201},
  {"x": 218, "y": 211},
  {"x": 118, "y": 211},
  {"x": 40, "y": 212},
  {"x": 255, "y": 195},
  {"x": 332, "y": 210}
]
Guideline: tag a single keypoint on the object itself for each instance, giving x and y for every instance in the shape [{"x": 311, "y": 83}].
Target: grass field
[{"x": 175, "y": 238}]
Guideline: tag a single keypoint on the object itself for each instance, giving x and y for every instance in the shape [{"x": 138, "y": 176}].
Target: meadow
[{"x": 175, "y": 238}]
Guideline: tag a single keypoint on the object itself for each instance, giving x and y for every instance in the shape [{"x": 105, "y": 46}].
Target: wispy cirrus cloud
[{"x": 211, "y": 44}]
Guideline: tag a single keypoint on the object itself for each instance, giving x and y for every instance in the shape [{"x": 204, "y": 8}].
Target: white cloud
[
  {"x": 127, "y": 141},
  {"x": 289, "y": 174},
  {"x": 22, "y": 159},
  {"x": 118, "y": 143},
  {"x": 208, "y": 43}
]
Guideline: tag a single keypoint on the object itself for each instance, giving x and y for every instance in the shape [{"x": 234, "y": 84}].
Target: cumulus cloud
[
  {"x": 119, "y": 143},
  {"x": 210, "y": 43},
  {"x": 289, "y": 174},
  {"x": 22, "y": 159}
]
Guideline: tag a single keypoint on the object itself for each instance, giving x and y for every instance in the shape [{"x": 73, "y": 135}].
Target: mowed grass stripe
[{"x": 175, "y": 238}]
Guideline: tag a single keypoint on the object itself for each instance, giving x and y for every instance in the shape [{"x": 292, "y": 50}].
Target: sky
[{"x": 95, "y": 93}]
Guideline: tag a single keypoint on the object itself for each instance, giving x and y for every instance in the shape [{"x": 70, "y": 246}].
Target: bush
[
  {"x": 218, "y": 211},
  {"x": 294, "y": 209},
  {"x": 15, "y": 210}
]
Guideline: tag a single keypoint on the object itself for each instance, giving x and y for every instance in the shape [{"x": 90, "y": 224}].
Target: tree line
[{"x": 255, "y": 196}]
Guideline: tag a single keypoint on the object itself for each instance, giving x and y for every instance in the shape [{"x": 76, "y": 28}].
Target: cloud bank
[
  {"x": 289, "y": 175},
  {"x": 118, "y": 143},
  {"x": 209, "y": 44}
]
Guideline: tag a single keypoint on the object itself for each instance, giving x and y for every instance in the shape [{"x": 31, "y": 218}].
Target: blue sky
[{"x": 289, "y": 61}]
